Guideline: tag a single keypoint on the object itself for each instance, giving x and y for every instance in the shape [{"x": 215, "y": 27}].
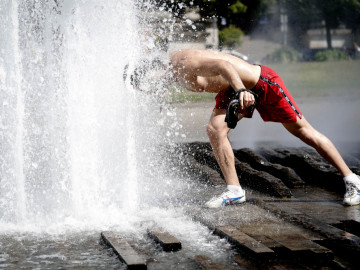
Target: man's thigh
[{"x": 301, "y": 126}]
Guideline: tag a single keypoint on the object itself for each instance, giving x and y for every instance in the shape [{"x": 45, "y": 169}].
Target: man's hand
[{"x": 246, "y": 99}]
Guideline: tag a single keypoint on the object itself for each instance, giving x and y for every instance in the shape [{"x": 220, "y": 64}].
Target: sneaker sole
[
  {"x": 352, "y": 203},
  {"x": 238, "y": 202}
]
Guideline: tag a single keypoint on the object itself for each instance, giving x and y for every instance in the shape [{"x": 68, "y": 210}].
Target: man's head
[{"x": 148, "y": 75}]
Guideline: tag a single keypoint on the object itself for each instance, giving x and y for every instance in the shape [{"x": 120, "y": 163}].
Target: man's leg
[
  {"x": 303, "y": 130},
  {"x": 217, "y": 131}
]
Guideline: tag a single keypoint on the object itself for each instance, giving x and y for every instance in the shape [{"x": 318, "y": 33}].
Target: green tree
[
  {"x": 332, "y": 11},
  {"x": 230, "y": 36},
  {"x": 244, "y": 14},
  {"x": 302, "y": 13},
  {"x": 352, "y": 16}
]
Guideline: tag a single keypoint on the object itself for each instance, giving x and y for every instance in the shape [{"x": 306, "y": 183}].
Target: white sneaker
[
  {"x": 352, "y": 195},
  {"x": 227, "y": 198}
]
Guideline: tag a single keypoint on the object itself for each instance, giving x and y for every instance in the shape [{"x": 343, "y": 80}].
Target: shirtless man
[{"x": 216, "y": 72}]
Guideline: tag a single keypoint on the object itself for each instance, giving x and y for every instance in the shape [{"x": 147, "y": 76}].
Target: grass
[
  {"x": 305, "y": 79},
  {"x": 181, "y": 95},
  {"x": 319, "y": 79}
]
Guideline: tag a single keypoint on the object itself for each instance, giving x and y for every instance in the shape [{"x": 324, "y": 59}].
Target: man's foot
[
  {"x": 227, "y": 198},
  {"x": 352, "y": 195}
]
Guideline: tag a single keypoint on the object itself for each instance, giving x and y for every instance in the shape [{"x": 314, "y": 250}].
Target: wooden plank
[
  {"x": 167, "y": 241},
  {"x": 206, "y": 263},
  {"x": 299, "y": 244},
  {"x": 124, "y": 251},
  {"x": 351, "y": 226},
  {"x": 270, "y": 243},
  {"x": 243, "y": 241}
]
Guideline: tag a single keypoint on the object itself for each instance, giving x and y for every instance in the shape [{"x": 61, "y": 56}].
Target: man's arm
[{"x": 208, "y": 67}]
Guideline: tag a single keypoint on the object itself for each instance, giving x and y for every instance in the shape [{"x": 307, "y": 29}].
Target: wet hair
[{"x": 141, "y": 68}]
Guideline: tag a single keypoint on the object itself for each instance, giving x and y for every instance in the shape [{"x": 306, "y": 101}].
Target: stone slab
[
  {"x": 167, "y": 241},
  {"x": 249, "y": 177},
  {"x": 208, "y": 173},
  {"x": 124, "y": 251},
  {"x": 308, "y": 164},
  {"x": 261, "y": 181},
  {"x": 286, "y": 174}
]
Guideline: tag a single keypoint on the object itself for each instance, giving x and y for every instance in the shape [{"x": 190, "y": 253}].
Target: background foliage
[{"x": 230, "y": 36}]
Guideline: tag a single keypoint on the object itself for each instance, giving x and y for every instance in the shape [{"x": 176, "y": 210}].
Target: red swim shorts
[{"x": 275, "y": 102}]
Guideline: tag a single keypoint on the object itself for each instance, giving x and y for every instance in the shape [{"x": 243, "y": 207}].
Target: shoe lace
[
  {"x": 226, "y": 193},
  {"x": 351, "y": 189},
  {"x": 220, "y": 196}
]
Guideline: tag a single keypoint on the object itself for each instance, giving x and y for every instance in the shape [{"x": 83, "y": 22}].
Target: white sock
[
  {"x": 352, "y": 178},
  {"x": 235, "y": 189}
]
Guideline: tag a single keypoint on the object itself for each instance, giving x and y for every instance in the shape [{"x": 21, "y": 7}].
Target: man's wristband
[
  {"x": 241, "y": 90},
  {"x": 251, "y": 92}
]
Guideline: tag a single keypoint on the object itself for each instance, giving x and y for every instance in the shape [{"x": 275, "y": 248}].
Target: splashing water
[
  {"x": 80, "y": 147},
  {"x": 68, "y": 123},
  {"x": 81, "y": 151}
]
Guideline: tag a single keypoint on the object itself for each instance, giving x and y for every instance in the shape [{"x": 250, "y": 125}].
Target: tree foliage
[
  {"x": 230, "y": 36},
  {"x": 244, "y": 14},
  {"x": 283, "y": 55},
  {"x": 330, "y": 55},
  {"x": 352, "y": 15},
  {"x": 303, "y": 13}
]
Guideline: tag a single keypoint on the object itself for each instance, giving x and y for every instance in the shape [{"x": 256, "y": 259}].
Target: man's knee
[
  {"x": 312, "y": 137},
  {"x": 210, "y": 130},
  {"x": 215, "y": 132},
  {"x": 308, "y": 134}
]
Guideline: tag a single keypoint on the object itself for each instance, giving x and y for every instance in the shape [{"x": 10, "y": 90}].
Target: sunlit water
[{"x": 79, "y": 147}]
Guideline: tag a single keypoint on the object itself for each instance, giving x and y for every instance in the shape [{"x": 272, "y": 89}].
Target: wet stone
[
  {"x": 249, "y": 177},
  {"x": 293, "y": 211},
  {"x": 203, "y": 153},
  {"x": 286, "y": 174},
  {"x": 126, "y": 253},
  {"x": 211, "y": 176},
  {"x": 308, "y": 164},
  {"x": 261, "y": 181},
  {"x": 183, "y": 158}
]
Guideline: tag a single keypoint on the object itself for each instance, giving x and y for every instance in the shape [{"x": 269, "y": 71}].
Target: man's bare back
[{"x": 212, "y": 71}]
